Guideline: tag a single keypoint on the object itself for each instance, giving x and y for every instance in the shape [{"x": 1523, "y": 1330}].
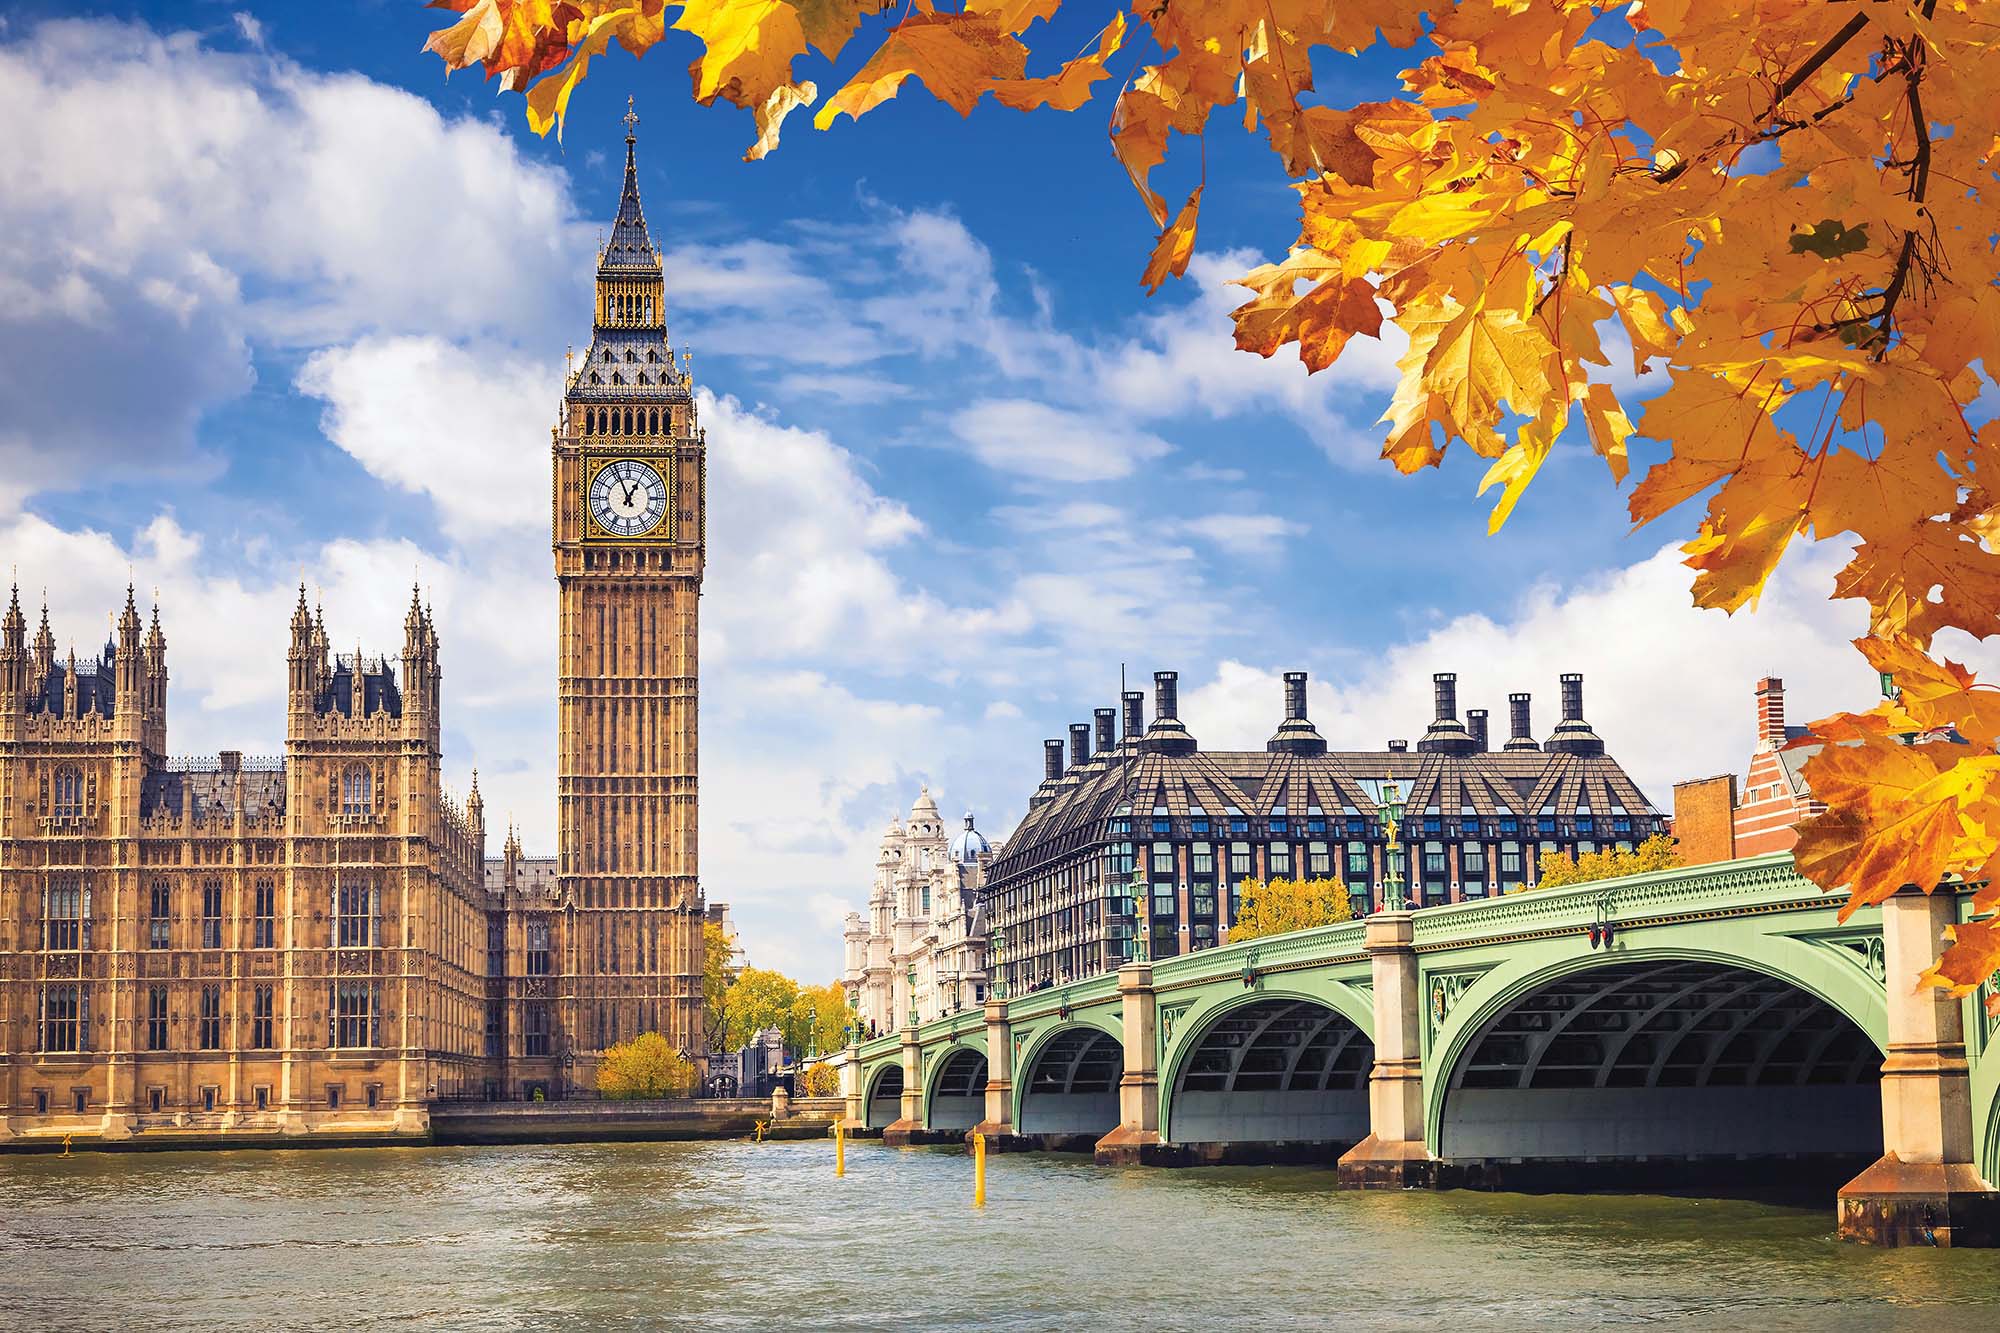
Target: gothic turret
[
  {"x": 44, "y": 660},
  {"x": 13, "y": 654}
]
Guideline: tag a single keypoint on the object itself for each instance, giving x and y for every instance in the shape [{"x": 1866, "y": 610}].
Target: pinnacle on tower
[{"x": 630, "y": 246}]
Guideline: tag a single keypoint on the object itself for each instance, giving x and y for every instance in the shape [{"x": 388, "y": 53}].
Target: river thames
[{"x": 739, "y": 1235}]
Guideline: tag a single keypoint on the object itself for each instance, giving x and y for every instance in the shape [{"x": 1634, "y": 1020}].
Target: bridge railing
[{"x": 1766, "y": 880}]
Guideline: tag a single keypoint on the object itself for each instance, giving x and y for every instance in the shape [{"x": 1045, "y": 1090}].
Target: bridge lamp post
[
  {"x": 1142, "y": 948},
  {"x": 1391, "y": 805},
  {"x": 997, "y": 947},
  {"x": 912, "y": 978}
]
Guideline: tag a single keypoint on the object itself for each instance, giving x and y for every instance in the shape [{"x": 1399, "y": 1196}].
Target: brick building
[{"x": 1716, "y": 820}]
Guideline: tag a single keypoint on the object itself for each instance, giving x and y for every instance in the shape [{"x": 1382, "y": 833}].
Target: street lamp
[
  {"x": 1142, "y": 948},
  {"x": 1391, "y": 804},
  {"x": 912, "y": 977},
  {"x": 997, "y": 947}
]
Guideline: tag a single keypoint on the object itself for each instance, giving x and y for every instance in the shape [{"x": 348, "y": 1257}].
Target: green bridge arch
[
  {"x": 1219, "y": 1001},
  {"x": 1035, "y": 1044}
]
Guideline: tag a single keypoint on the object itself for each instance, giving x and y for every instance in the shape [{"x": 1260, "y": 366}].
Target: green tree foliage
[
  {"x": 645, "y": 1067},
  {"x": 822, "y": 1080},
  {"x": 1655, "y": 853},
  {"x": 1279, "y": 906}
]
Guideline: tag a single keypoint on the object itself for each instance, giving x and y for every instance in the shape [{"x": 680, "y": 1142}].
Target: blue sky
[{"x": 278, "y": 299}]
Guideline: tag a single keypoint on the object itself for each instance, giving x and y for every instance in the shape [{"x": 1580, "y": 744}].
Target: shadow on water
[{"x": 742, "y": 1236}]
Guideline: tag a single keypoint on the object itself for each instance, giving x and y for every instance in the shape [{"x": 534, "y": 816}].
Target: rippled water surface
[{"x": 763, "y": 1236}]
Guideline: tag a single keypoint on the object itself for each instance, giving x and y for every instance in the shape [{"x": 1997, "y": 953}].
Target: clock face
[{"x": 628, "y": 498}]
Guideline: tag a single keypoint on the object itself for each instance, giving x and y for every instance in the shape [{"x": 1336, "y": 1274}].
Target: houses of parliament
[{"x": 318, "y": 944}]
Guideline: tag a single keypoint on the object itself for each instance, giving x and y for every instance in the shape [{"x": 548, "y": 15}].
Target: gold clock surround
[{"x": 662, "y": 463}]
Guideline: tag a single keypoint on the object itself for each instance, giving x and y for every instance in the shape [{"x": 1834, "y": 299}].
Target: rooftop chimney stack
[
  {"x": 1475, "y": 723},
  {"x": 1296, "y": 735},
  {"x": 1167, "y": 735},
  {"x": 1446, "y": 734},
  {"x": 1135, "y": 715},
  {"x": 1520, "y": 729},
  {"x": 1079, "y": 744},
  {"x": 1444, "y": 695},
  {"x": 1107, "y": 729},
  {"x": 1771, "y": 733},
  {"x": 1052, "y": 760},
  {"x": 1398, "y": 747},
  {"x": 1573, "y": 735}
]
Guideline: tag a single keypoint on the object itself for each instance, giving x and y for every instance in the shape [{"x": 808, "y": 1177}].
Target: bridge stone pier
[{"x": 1710, "y": 1027}]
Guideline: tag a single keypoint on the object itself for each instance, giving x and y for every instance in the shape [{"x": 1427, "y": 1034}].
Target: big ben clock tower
[{"x": 628, "y": 525}]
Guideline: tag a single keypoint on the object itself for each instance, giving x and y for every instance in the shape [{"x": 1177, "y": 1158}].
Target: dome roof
[
  {"x": 925, "y": 808},
  {"x": 970, "y": 844}
]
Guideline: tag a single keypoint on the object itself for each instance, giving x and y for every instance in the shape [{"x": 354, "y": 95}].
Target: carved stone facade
[
  {"x": 629, "y": 483},
  {"x": 254, "y": 946},
  {"x": 922, "y": 946}
]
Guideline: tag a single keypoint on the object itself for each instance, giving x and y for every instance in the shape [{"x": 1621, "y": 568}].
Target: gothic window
[
  {"x": 66, "y": 915},
  {"x": 210, "y": 1029},
  {"x": 642, "y": 377},
  {"x": 352, "y": 1010},
  {"x": 211, "y": 914},
  {"x": 536, "y": 1041},
  {"x": 357, "y": 790},
  {"x": 265, "y": 926},
  {"x": 160, "y": 916},
  {"x": 609, "y": 355},
  {"x": 594, "y": 378},
  {"x": 68, "y": 802},
  {"x": 631, "y": 355},
  {"x": 354, "y": 914},
  {"x": 263, "y": 1010},
  {"x": 538, "y": 948},
  {"x": 617, "y": 378},
  {"x": 652, "y": 358},
  {"x": 156, "y": 1019},
  {"x": 65, "y": 1018}
]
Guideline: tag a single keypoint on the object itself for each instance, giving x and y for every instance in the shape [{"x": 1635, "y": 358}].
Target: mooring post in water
[
  {"x": 978, "y": 1170},
  {"x": 839, "y": 1148},
  {"x": 757, "y": 1134}
]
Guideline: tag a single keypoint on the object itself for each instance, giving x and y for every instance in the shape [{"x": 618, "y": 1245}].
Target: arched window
[
  {"x": 631, "y": 355},
  {"x": 653, "y": 421},
  {"x": 608, "y": 355},
  {"x": 594, "y": 378},
  {"x": 617, "y": 378},
  {"x": 357, "y": 790},
  {"x": 652, "y": 357},
  {"x": 68, "y": 803}
]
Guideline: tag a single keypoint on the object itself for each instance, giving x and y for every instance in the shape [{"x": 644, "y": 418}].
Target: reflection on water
[{"x": 763, "y": 1235}]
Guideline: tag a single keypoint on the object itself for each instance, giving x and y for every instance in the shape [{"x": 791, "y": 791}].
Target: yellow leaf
[
  {"x": 1485, "y": 358},
  {"x": 1517, "y": 467},
  {"x": 1068, "y": 88},
  {"x": 750, "y": 44},
  {"x": 1974, "y": 955},
  {"x": 470, "y": 40},
  {"x": 956, "y": 56},
  {"x": 771, "y": 113},
  {"x": 1176, "y": 244}
]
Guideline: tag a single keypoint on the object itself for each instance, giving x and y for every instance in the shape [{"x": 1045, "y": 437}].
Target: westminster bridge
[{"x": 1714, "y": 1025}]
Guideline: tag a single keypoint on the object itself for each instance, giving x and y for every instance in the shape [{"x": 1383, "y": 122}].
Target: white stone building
[{"x": 923, "y": 941}]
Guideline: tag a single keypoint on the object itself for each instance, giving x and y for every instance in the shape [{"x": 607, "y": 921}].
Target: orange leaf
[
  {"x": 1974, "y": 955},
  {"x": 956, "y": 56},
  {"x": 1069, "y": 87},
  {"x": 1176, "y": 244}
]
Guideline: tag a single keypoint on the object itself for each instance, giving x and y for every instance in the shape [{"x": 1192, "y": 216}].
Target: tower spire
[{"x": 630, "y": 247}]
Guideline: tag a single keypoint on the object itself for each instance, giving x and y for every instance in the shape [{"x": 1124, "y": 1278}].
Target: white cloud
[
  {"x": 1035, "y": 442},
  {"x": 469, "y": 429},
  {"x": 1244, "y": 534},
  {"x": 168, "y": 204},
  {"x": 1669, "y": 687}
]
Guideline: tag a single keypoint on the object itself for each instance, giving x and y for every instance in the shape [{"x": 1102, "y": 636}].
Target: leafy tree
[
  {"x": 718, "y": 973},
  {"x": 1655, "y": 853},
  {"x": 1783, "y": 209},
  {"x": 646, "y": 1066},
  {"x": 759, "y": 999},
  {"x": 1279, "y": 906},
  {"x": 818, "y": 1021},
  {"x": 821, "y": 1080}
]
